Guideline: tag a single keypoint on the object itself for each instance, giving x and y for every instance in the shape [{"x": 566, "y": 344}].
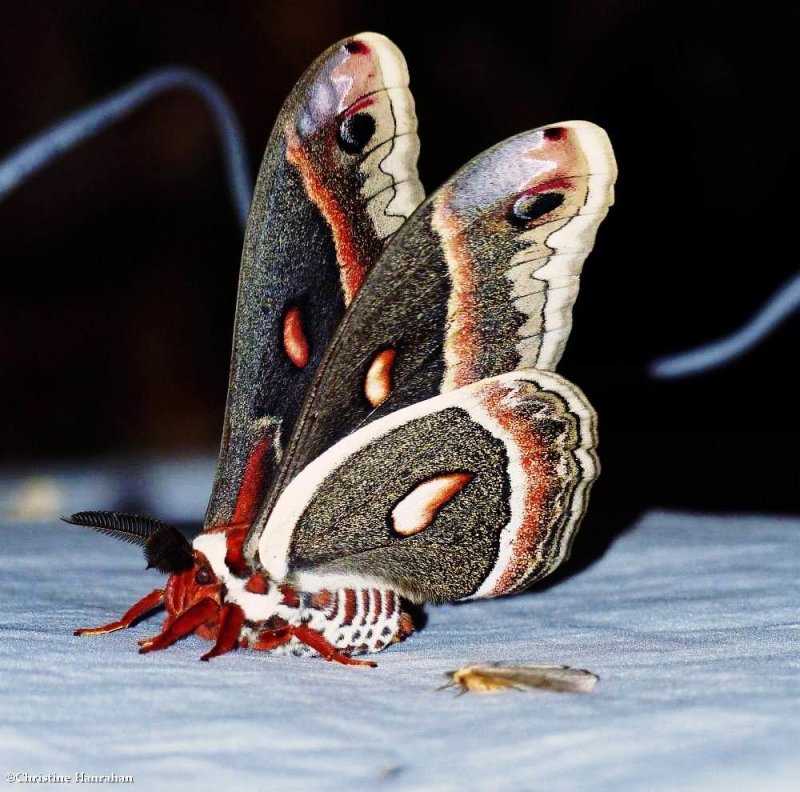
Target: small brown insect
[{"x": 491, "y": 677}]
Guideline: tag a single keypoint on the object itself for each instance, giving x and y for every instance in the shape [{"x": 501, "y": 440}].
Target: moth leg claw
[
  {"x": 106, "y": 628},
  {"x": 133, "y": 614}
]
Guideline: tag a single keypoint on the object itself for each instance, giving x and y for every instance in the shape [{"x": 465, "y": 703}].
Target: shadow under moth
[{"x": 394, "y": 431}]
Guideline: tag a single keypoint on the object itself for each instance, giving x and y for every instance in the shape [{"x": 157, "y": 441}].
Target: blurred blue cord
[
  {"x": 780, "y": 306},
  {"x": 29, "y": 158}
]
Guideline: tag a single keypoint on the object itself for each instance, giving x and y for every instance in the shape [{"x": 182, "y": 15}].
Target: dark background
[{"x": 120, "y": 261}]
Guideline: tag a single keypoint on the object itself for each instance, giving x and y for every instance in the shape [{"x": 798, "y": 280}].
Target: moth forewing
[
  {"x": 480, "y": 281},
  {"x": 339, "y": 176}
]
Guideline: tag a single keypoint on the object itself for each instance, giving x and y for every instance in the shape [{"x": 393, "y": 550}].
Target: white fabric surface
[{"x": 690, "y": 621}]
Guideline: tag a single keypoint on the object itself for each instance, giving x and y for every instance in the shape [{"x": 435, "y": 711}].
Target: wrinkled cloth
[{"x": 691, "y": 622}]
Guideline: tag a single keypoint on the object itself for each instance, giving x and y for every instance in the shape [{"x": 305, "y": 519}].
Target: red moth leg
[
  {"x": 231, "y": 619},
  {"x": 135, "y": 612},
  {"x": 272, "y": 639},
  {"x": 187, "y": 622},
  {"x": 327, "y": 650}
]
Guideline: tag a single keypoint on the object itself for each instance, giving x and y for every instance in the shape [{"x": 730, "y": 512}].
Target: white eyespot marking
[
  {"x": 416, "y": 511},
  {"x": 295, "y": 343},
  {"x": 378, "y": 382}
]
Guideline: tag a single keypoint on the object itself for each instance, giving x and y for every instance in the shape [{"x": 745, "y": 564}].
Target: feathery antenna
[{"x": 165, "y": 547}]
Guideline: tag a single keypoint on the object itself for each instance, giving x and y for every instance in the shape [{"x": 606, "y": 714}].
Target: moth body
[
  {"x": 211, "y": 593},
  {"x": 353, "y": 620}
]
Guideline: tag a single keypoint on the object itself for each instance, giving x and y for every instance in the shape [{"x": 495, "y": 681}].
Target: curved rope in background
[
  {"x": 38, "y": 152},
  {"x": 696, "y": 361}
]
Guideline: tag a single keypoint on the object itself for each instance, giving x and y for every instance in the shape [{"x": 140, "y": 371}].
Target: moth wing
[
  {"x": 492, "y": 676},
  {"x": 480, "y": 281},
  {"x": 473, "y": 493},
  {"x": 338, "y": 178},
  {"x": 561, "y": 679}
]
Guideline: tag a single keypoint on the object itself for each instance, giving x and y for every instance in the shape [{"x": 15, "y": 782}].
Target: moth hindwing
[{"x": 473, "y": 493}]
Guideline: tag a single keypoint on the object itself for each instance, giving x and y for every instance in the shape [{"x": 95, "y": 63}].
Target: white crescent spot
[
  {"x": 415, "y": 512},
  {"x": 378, "y": 382}
]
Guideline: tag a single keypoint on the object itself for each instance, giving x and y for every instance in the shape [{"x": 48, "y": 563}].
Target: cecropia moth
[{"x": 394, "y": 431}]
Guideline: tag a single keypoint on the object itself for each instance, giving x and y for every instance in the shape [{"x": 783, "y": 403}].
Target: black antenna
[{"x": 165, "y": 547}]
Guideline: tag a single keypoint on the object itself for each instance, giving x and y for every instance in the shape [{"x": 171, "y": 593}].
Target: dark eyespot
[
  {"x": 355, "y": 132},
  {"x": 555, "y": 133},
  {"x": 356, "y": 47},
  {"x": 203, "y": 576},
  {"x": 532, "y": 207}
]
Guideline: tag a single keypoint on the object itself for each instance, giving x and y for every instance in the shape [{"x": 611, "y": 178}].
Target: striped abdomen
[{"x": 358, "y": 620}]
